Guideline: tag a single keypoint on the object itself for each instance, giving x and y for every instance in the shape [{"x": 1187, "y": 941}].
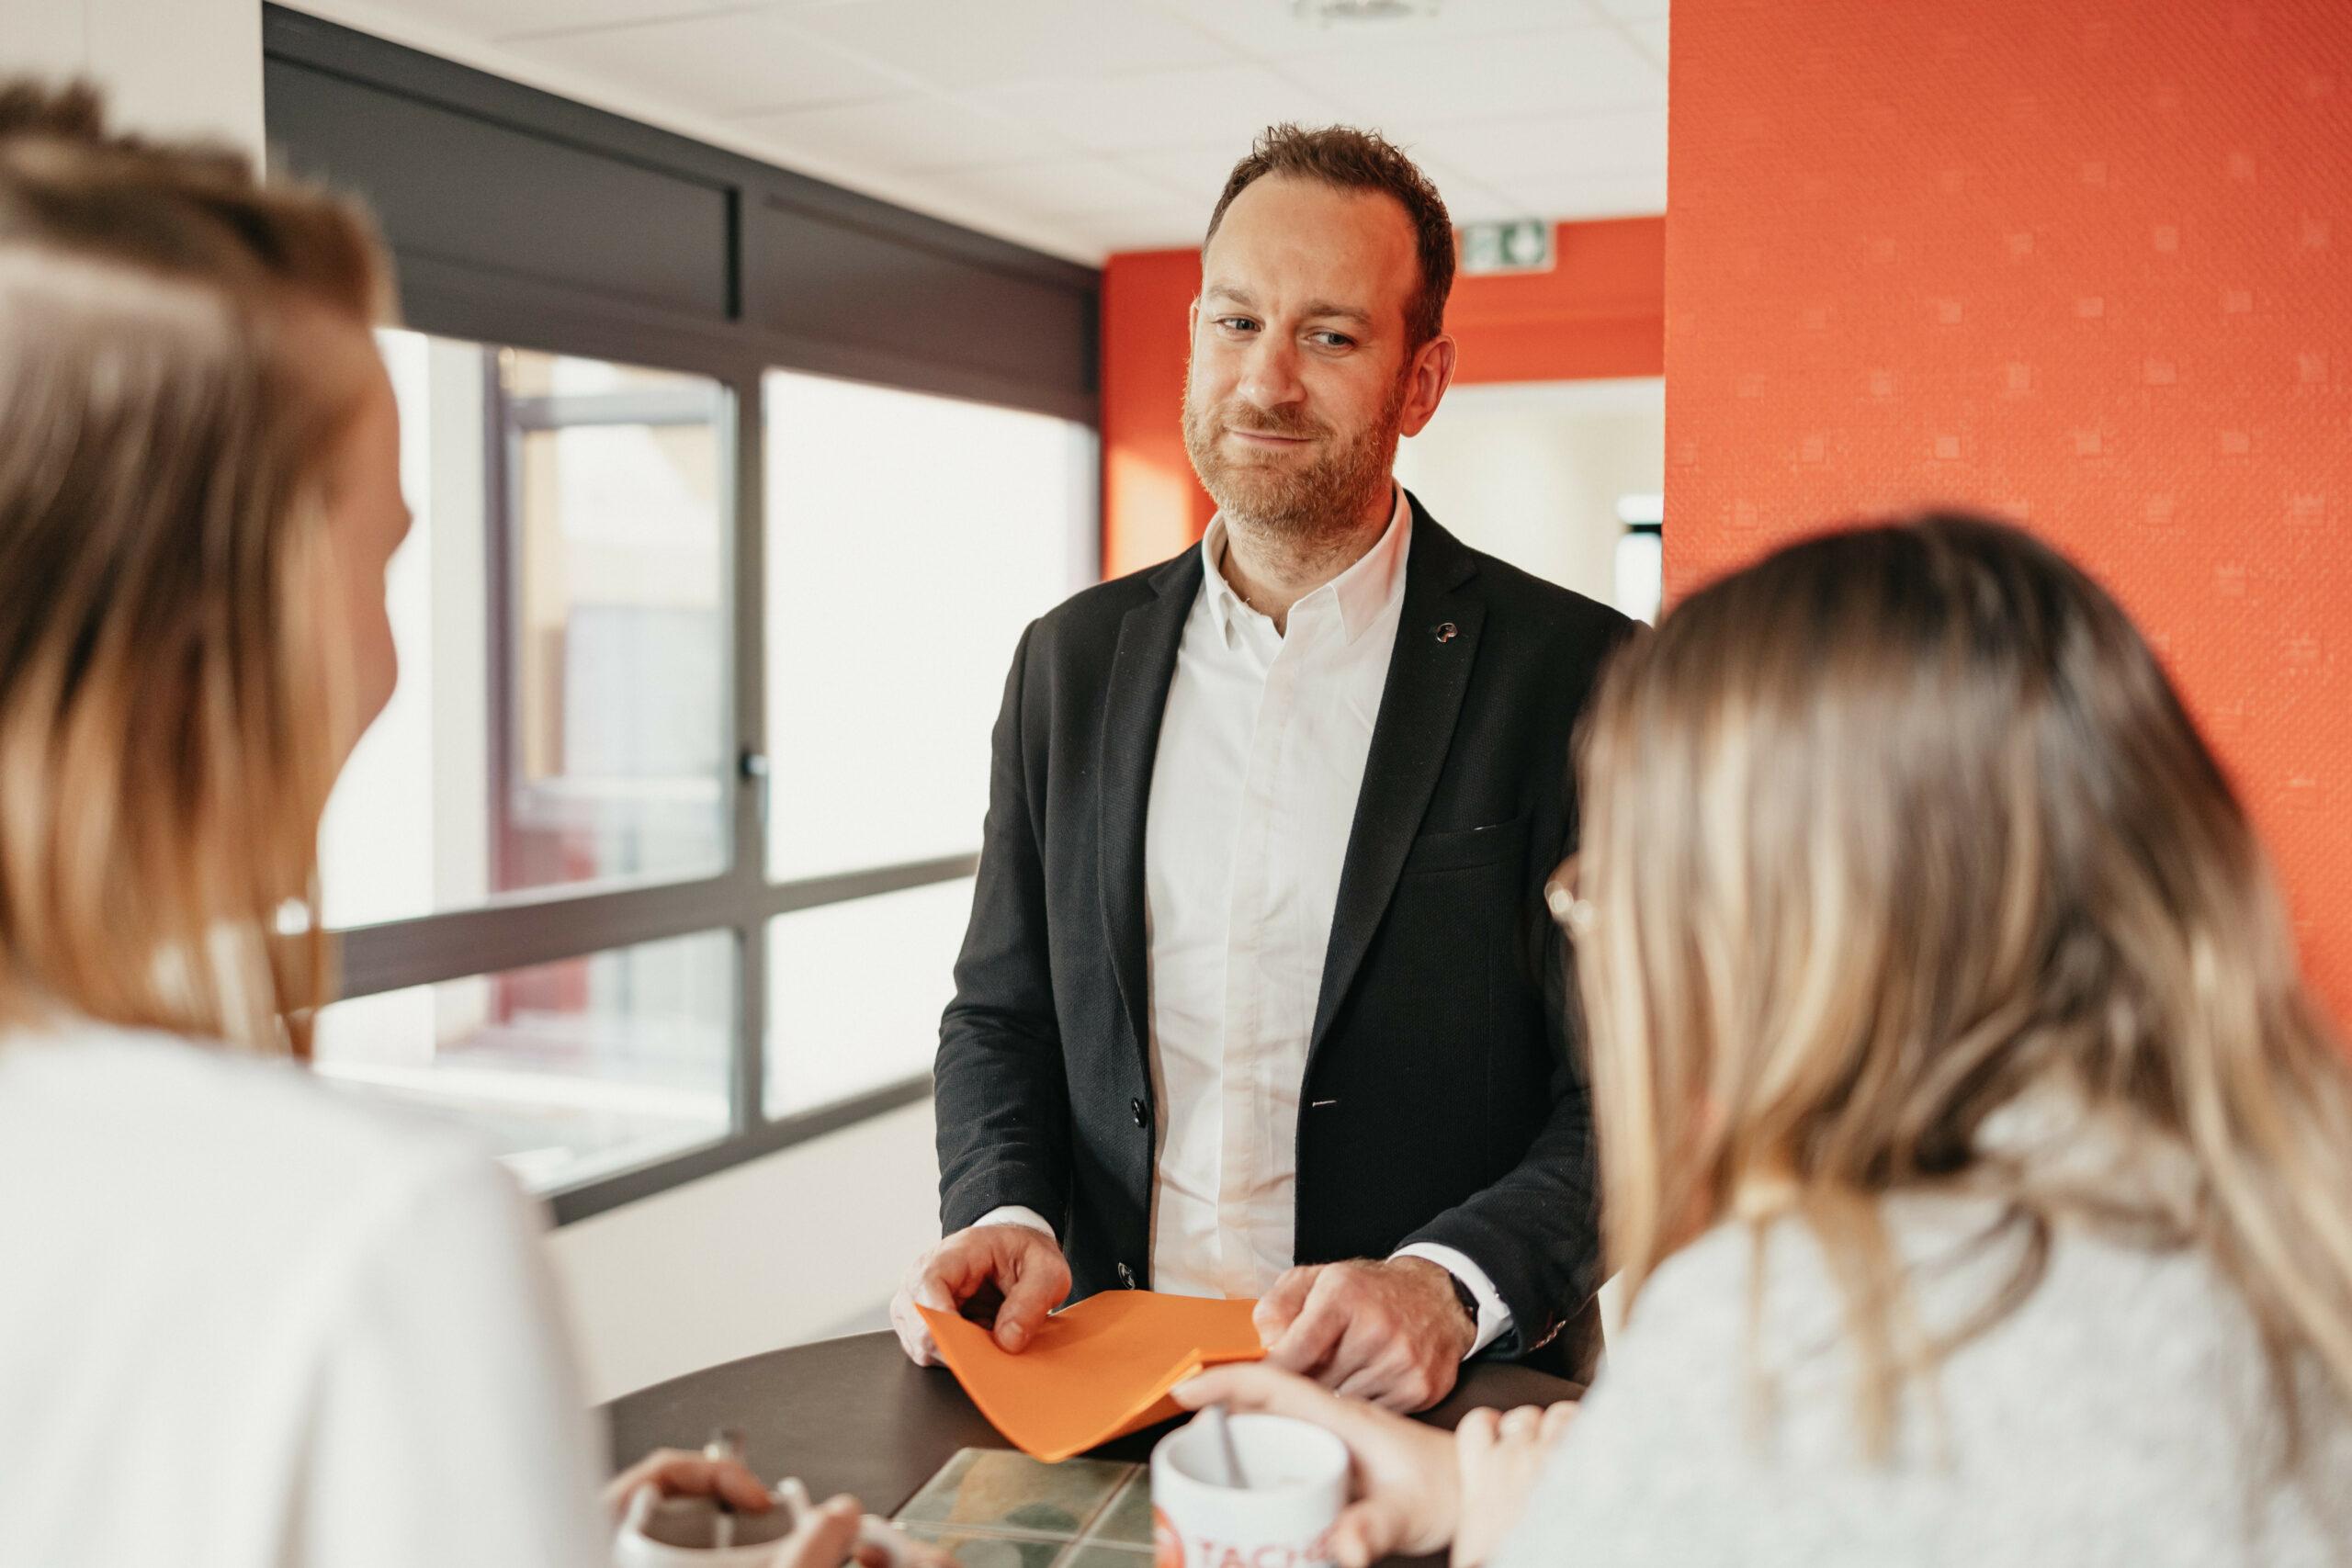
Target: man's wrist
[
  {"x": 1443, "y": 1284},
  {"x": 1490, "y": 1318}
]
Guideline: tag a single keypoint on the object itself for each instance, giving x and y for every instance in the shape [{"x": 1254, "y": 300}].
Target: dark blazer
[{"x": 1445, "y": 1098}]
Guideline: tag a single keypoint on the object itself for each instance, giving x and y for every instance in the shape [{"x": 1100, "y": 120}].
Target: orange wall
[
  {"x": 1152, "y": 506},
  {"x": 1599, "y": 313},
  {"x": 2087, "y": 264}
]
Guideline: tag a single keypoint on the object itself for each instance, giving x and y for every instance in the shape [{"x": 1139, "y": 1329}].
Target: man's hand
[
  {"x": 1497, "y": 1457},
  {"x": 1008, "y": 1276},
  {"x": 1406, "y": 1500},
  {"x": 1392, "y": 1333}
]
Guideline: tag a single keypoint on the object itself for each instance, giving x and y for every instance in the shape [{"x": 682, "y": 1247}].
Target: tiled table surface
[{"x": 997, "y": 1508}]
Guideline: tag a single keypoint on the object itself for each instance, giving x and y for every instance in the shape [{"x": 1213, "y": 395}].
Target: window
[
  {"x": 568, "y": 1070},
  {"x": 1640, "y": 574},
  {"x": 561, "y": 745},
  {"x": 559, "y": 610},
  {"x": 729, "y": 517},
  {"x": 910, "y": 539},
  {"x": 856, "y": 990}
]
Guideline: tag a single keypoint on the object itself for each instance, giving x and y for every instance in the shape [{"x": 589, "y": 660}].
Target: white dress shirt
[
  {"x": 248, "y": 1320},
  {"x": 1263, "y": 747}
]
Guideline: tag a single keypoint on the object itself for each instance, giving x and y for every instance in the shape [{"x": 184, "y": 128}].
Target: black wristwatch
[{"x": 1467, "y": 1296}]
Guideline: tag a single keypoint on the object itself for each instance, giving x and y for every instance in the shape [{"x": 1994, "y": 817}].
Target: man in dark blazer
[{"x": 1259, "y": 997}]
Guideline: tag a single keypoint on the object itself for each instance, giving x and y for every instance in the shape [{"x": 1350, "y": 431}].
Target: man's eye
[
  {"x": 1335, "y": 340},
  {"x": 1235, "y": 323}
]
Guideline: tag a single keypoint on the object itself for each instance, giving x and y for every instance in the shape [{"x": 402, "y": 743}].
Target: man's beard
[{"x": 1325, "y": 500}]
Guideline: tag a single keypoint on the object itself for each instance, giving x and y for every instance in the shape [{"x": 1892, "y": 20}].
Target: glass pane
[
  {"x": 910, "y": 539},
  {"x": 560, "y": 611},
  {"x": 856, "y": 991},
  {"x": 1641, "y": 573},
  {"x": 568, "y": 1070}
]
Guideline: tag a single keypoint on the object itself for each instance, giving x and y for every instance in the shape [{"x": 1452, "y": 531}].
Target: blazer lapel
[
  {"x": 1141, "y": 668},
  {"x": 1437, "y": 642}
]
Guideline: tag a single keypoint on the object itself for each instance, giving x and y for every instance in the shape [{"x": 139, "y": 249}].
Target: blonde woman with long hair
[
  {"x": 1976, "y": 1168},
  {"x": 242, "y": 1321}
]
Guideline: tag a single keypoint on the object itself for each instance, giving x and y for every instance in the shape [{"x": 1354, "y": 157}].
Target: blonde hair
[
  {"x": 1895, "y": 829},
  {"x": 168, "y": 709}
]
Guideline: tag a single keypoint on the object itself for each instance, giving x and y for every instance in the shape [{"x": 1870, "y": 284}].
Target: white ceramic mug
[
  {"x": 1296, "y": 1483},
  {"x": 682, "y": 1533}
]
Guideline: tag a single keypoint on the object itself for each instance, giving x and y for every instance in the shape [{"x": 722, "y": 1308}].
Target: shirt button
[{"x": 1134, "y": 1109}]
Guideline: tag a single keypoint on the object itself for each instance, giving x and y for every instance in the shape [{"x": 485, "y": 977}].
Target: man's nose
[{"x": 1270, "y": 373}]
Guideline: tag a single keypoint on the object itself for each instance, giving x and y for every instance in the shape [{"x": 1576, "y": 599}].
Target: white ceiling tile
[
  {"x": 1064, "y": 187},
  {"x": 1592, "y": 193},
  {"x": 919, "y": 131},
  {"x": 1477, "y": 204},
  {"x": 491, "y": 19},
  {"x": 1278, "y": 30},
  {"x": 1197, "y": 172},
  {"x": 1579, "y": 70},
  {"x": 1652, "y": 37},
  {"x": 965, "y": 44},
  {"x": 733, "y": 63},
  {"x": 1505, "y": 153},
  {"x": 1469, "y": 200},
  {"x": 1152, "y": 110},
  {"x": 1112, "y": 124},
  {"x": 1201, "y": 172},
  {"x": 1143, "y": 228}
]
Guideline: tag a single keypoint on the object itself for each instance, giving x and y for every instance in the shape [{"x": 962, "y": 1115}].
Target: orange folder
[{"x": 1096, "y": 1371}]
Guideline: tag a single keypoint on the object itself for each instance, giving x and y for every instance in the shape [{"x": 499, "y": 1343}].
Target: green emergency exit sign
[{"x": 1517, "y": 244}]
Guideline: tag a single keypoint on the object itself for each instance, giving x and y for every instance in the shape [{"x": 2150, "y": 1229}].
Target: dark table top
[{"x": 854, "y": 1416}]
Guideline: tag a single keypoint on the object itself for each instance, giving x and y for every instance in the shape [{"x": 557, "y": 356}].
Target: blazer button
[
  {"x": 1126, "y": 1277},
  {"x": 1134, "y": 1109}
]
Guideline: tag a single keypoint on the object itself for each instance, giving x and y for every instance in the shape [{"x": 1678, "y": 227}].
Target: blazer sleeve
[
  {"x": 1000, "y": 1093},
  {"x": 1537, "y": 1233}
]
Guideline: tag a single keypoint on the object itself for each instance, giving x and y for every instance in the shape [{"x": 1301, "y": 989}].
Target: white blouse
[{"x": 246, "y": 1320}]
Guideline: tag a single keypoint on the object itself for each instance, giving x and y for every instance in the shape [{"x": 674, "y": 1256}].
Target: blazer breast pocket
[{"x": 1467, "y": 848}]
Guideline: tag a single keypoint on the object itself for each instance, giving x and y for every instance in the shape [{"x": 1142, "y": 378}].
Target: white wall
[
  {"x": 1532, "y": 471},
  {"x": 170, "y": 67},
  {"x": 799, "y": 1245}
]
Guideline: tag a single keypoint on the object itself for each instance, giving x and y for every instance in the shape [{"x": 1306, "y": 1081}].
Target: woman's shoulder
[
  {"x": 203, "y": 1128},
  {"x": 2114, "y": 1400}
]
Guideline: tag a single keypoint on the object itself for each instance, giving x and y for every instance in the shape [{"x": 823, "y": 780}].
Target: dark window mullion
[{"x": 747, "y": 572}]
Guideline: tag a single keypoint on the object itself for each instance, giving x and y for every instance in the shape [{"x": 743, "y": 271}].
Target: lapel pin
[{"x": 1447, "y": 631}]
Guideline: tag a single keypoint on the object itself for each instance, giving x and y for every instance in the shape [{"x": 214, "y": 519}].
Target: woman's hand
[
  {"x": 1496, "y": 1459},
  {"x": 1405, "y": 1482},
  {"x": 677, "y": 1473},
  {"x": 826, "y": 1536}
]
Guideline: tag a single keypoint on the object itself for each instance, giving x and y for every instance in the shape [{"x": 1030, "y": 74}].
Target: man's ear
[
  {"x": 1192, "y": 319},
  {"x": 1430, "y": 375}
]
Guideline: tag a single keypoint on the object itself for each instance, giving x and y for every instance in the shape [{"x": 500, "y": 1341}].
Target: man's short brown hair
[{"x": 1350, "y": 159}]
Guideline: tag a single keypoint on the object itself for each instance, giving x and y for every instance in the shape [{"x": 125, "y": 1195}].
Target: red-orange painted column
[
  {"x": 2087, "y": 264},
  {"x": 1152, "y": 504}
]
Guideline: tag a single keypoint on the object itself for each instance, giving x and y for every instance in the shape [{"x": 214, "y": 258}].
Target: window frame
[{"x": 508, "y": 309}]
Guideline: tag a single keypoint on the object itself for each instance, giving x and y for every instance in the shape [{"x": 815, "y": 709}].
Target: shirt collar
[{"x": 1363, "y": 591}]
